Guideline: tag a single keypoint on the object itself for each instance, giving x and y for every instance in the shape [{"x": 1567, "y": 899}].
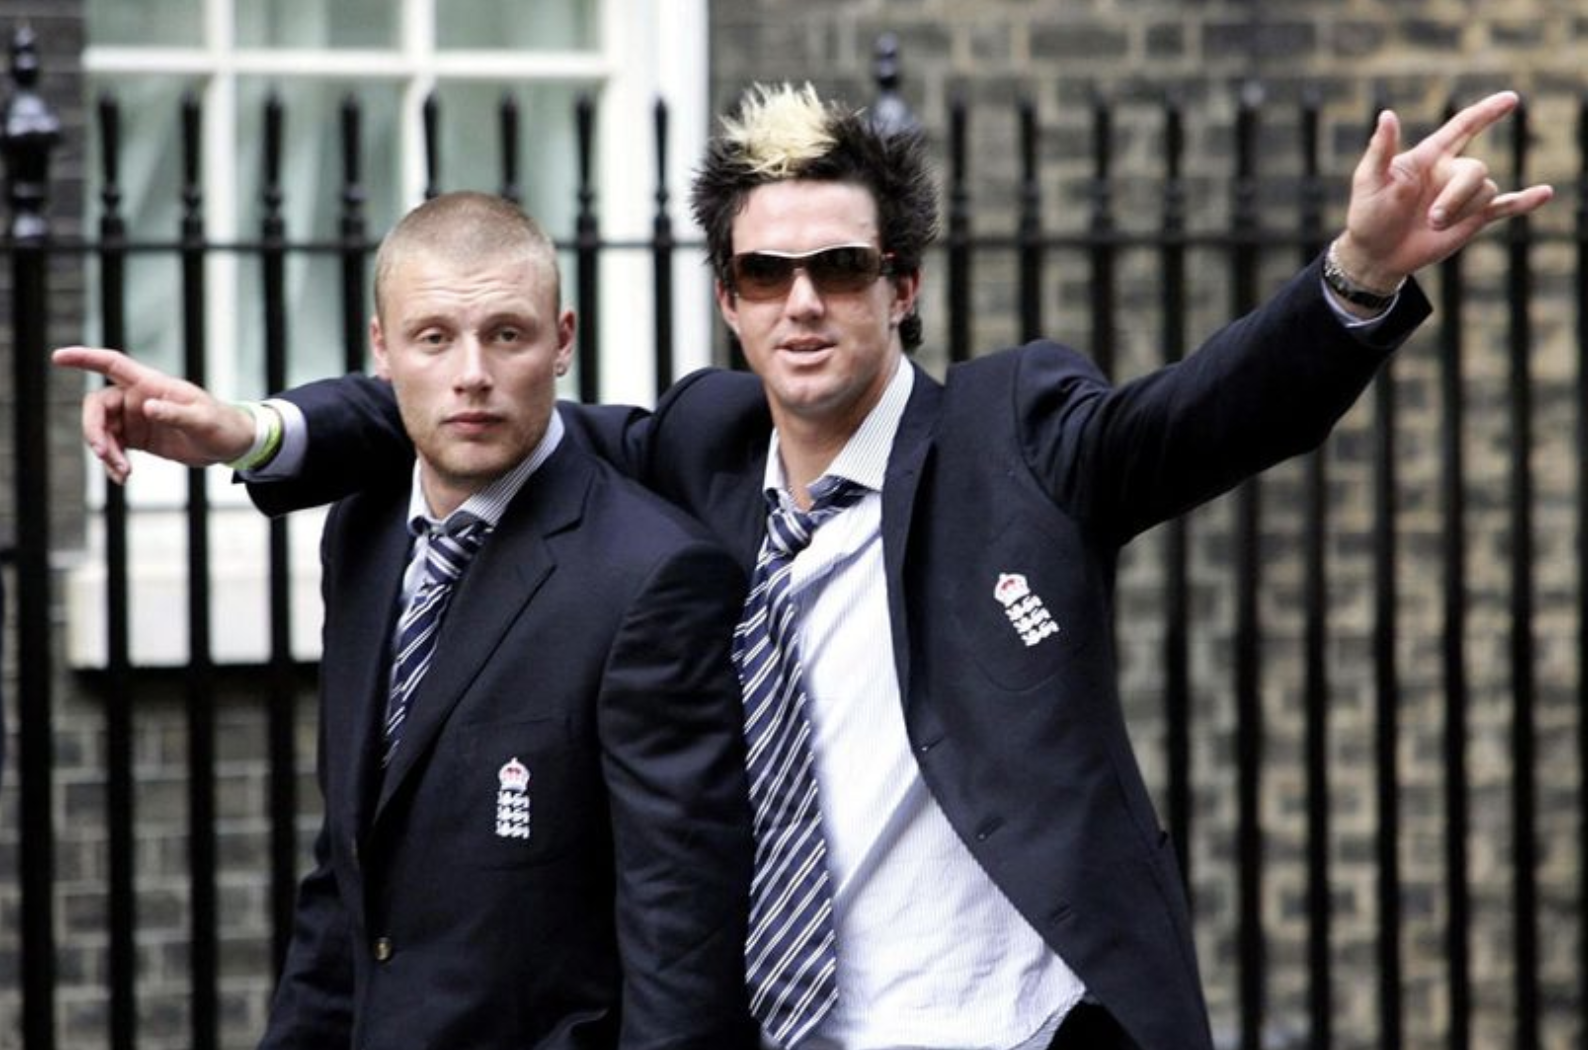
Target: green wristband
[{"x": 267, "y": 436}]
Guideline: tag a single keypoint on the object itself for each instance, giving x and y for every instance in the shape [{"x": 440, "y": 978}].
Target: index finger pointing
[
  {"x": 1456, "y": 133},
  {"x": 112, "y": 364}
]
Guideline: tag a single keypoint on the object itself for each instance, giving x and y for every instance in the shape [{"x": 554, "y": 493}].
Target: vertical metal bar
[
  {"x": 1454, "y": 652},
  {"x": 1386, "y": 698},
  {"x": 1524, "y": 850},
  {"x": 1386, "y": 692},
  {"x": 200, "y": 677},
  {"x": 1582, "y": 543},
  {"x": 1102, "y": 237},
  {"x": 1030, "y": 233},
  {"x": 1177, "y": 604},
  {"x": 959, "y": 319},
  {"x": 30, "y": 132},
  {"x": 1315, "y": 648},
  {"x": 119, "y": 694},
  {"x": 1248, "y": 634},
  {"x": 432, "y": 123},
  {"x": 354, "y": 320},
  {"x": 507, "y": 125},
  {"x": 662, "y": 248},
  {"x": 588, "y": 249},
  {"x": 281, "y": 701}
]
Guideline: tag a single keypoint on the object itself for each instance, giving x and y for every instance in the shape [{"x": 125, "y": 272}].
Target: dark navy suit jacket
[
  {"x": 1022, "y": 464},
  {"x": 559, "y": 853}
]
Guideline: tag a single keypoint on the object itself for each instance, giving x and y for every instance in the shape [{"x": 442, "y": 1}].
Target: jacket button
[
  {"x": 382, "y": 949},
  {"x": 985, "y": 832}
]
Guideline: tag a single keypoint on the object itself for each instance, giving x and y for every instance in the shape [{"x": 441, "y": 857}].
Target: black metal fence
[{"x": 1173, "y": 244}]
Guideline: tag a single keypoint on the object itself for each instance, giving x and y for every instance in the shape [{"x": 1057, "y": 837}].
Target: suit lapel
[
  {"x": 906, "y": 463},
  {"x": 738, "y": 509},
  {"x": 503, "y": 578}
]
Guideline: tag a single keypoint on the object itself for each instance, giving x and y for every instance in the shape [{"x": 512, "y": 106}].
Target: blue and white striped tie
[
  {"x": 790, "y": 959},
  {"x": 446, "y": 556}
]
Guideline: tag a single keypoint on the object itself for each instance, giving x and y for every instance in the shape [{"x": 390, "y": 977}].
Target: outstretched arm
[
  {"x": 1411, "y": 208},
  {"x": 1272, "y": 383},
  {"x": 143, "y": 408}
]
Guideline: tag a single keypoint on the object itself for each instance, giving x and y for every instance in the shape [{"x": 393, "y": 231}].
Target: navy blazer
[
  {"x": 1011, "y": 488},
  {"x": 559, "y": 854}
]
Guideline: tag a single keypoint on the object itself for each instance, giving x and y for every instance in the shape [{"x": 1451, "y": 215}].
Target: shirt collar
[
  {"x": 864, "y": 457},
  {"x": 487, "y": 504}
]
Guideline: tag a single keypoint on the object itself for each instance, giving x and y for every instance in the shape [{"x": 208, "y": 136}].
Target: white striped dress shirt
[{"x": 930, "y": 952}]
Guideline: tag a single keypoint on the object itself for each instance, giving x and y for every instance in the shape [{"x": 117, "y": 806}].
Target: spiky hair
[
  {"x": 777, "y": 130},
  {"x": 781, "y": 132}
]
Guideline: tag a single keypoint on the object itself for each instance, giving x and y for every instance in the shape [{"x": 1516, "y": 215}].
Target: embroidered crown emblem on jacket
[{"x": 1027, "y": 615}]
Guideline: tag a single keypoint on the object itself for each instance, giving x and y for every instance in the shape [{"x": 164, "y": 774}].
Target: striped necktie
[
  {"x": 446, "y": 556},
  {"x": 790, "y": 956}
]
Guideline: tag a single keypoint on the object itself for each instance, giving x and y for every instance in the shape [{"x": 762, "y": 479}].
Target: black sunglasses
[{"x": 761, "y": 276}]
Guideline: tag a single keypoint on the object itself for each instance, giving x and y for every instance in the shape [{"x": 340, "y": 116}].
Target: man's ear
[
  {"x": 567, "y": 325},
  {"x": 377, "y": 347},
  {"x": 906, "y": 286},
  {"x": 727, "y": 305}
]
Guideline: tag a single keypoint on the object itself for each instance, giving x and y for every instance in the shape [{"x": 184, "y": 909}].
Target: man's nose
[
  {"x": 803, "y": 295},
  {"x": 473, "y": 371}
]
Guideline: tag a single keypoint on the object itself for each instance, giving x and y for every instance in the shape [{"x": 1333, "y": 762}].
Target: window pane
[
  {"x": 151, "y": 206},
  {"x": 312, "y": 180},
  {"x": 164, "y": 23},
  {"x": 471, "y": 148},
  {"x": 540, "y": 25},
  {"x": 317, "y": 23}
]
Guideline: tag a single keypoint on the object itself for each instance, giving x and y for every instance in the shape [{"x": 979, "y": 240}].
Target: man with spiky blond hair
[{"x": 954, "y": 845}]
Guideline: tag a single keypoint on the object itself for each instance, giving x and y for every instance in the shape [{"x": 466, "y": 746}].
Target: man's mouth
[
  {"x": 804, "y": 346},
  {"x": 472, "y": 422}
]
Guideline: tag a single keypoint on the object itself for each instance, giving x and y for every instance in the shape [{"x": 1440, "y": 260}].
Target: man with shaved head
[{"x": 536, "y": 826}]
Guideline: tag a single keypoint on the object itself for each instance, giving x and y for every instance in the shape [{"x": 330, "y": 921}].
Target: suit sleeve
[
  {"x": 314, "y": 1001},
  {"x": 673, "y": 757},
  {"x": 1269, "y": 386},
  {"x": 356, "y": 439}
]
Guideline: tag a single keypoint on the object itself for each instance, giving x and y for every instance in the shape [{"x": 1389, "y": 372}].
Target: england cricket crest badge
[
  {"x": 512, "y": 801},
  {"x": 1027, "y": 615}
]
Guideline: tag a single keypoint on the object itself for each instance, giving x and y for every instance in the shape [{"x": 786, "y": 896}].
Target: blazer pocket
[
  {"x": 529, "y": 792},
  {"x": 1012, "y": 604}
]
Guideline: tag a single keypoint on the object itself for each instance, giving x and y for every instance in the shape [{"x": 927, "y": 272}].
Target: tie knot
[
  {"x": 790, "y": 529},
  {"x": 453, "y": 546}
]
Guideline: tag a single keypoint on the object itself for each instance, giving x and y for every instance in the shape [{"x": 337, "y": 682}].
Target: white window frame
[{"x": 649, "y": 50}]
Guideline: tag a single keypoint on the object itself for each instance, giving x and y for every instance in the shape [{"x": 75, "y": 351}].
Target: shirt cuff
[
  {"x": 1351, "y": 321},
  {"x": 288, "y": 460}
]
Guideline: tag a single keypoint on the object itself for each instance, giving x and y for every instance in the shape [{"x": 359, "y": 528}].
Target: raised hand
[
  {"x": 143, "y": 408},
  {"x": 1411, "y": 208}
]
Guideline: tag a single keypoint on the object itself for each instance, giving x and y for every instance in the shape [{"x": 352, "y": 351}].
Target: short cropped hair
[
  {"x": 466, "y": 227},
  {"x": 783, "y": 132}
]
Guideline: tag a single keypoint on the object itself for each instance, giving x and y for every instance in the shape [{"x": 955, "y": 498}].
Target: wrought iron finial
[
  {"x": 889, "y": 113},
  {"x": 31, "y": 131}
]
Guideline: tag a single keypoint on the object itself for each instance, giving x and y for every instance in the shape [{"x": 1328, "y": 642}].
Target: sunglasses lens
[
  {"x": 760, "y": 276},
  {"x": 845, "y": 268}
]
